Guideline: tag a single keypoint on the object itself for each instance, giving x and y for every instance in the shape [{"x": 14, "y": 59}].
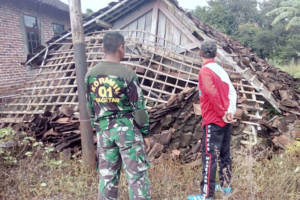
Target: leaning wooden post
[{"x": 87, "y": 142}]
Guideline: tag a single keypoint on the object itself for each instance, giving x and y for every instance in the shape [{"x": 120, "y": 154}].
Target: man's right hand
[{"x": 228, "y": 118}]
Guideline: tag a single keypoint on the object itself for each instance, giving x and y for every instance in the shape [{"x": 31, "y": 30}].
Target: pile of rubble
[
  {"x": 60, "y": 129},
  {"x": 175, "y": 129}
]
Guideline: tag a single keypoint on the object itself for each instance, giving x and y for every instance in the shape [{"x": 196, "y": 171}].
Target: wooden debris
[
  {"x": 295, "y": 133},
  {"x": 156, "y": 151},
  {"x": 60, "y": 128},
  {"x": 66, "y": 110},
  {"x": 283, "y": 141},
  {"x": 180, "y": 117},
  {"x": 197, "y": 109},
  {"x": 175, "y": 129}
]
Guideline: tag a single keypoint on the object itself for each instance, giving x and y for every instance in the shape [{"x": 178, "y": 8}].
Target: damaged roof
[
  {"x": 261, "y": 79},
  {"x": 109, "y": 14},
  {"x": 55, "y": 3},
  {"x": 232, "y": 52}
]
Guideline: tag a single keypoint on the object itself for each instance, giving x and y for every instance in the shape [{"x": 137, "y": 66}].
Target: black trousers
[{"x": 215, "y": 150}]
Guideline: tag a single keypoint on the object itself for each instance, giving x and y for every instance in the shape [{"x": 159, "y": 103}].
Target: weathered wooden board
[{"x": 161, "y": 30}]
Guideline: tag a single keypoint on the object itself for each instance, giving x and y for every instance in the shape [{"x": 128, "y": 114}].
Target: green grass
[
  {"x": 42, "y": 175},
  {"x": 294, "y": 70}
]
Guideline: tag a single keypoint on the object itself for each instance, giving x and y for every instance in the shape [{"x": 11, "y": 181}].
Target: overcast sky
[{"x": 97, "y": 4}]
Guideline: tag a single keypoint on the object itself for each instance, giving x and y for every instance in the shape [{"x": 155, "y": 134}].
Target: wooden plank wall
[
  {"x": 142, "y": 23},
  {"x": 168, "y": 31},
  {"x": 168, "y": 35}
]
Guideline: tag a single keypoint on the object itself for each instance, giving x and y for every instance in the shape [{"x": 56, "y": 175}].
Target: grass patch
[
  {"x": 44, "y": 176},
  {"x": 291, "y": 68},
  {"x": 294, "y": 70}
]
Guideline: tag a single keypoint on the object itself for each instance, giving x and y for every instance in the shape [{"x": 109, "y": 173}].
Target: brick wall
[{"x": 13, "y": 42}]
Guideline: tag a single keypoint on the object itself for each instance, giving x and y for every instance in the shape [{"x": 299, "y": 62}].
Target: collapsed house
[{"x": 162, "y": 42}]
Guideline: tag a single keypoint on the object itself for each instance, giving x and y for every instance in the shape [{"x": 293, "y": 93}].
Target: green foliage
[
  {"x": 227, "y": 15},
  {"x": 259, "y": 40},
  {"x": 288, "y": 12},
  {"x": 6, "y": 133},
  {"x": 265, "y": 43},
  {"x": 217, "y": 17},
  {"x": 295, "y": 22},
  {"x": 270, "y": 38},
  {"x": 88, "y": 12},
  {"x": 7, "y": 142},
  {"x": 15, "y": 146},
  {"x": 290, "y": 49},
  {"x": 294, "y": 70}
]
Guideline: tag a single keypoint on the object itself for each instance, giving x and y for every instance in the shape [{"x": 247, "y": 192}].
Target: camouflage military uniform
[{"x": 117, "y": 109}]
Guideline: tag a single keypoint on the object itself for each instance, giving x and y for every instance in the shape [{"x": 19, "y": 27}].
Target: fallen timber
[
  {"x": 175, "y": 129},
  {"x": 268, "y": 98}
]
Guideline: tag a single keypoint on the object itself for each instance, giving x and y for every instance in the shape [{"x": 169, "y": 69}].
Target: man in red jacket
[{"x": 218, "y": 104}]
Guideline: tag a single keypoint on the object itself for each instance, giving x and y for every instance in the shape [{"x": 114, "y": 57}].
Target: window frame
[
  {"x": 32, "y": 34},
  {"x": 56, "y": 24}
]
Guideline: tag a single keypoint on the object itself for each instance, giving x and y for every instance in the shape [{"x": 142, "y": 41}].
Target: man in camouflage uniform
[{"x": 117, "y": 109}]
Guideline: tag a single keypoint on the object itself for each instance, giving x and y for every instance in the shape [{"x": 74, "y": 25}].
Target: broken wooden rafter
[
  {"x": 248, "y": 75},
  {"x": 163, "y": 74}
]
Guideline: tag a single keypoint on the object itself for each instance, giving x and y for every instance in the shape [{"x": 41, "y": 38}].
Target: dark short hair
[
  {"x": 208, "y": 49},
  {"x": 112, "y": 41}
]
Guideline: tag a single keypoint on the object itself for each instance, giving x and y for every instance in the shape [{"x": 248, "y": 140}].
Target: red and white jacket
[{"x": 217, "y": 94}]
